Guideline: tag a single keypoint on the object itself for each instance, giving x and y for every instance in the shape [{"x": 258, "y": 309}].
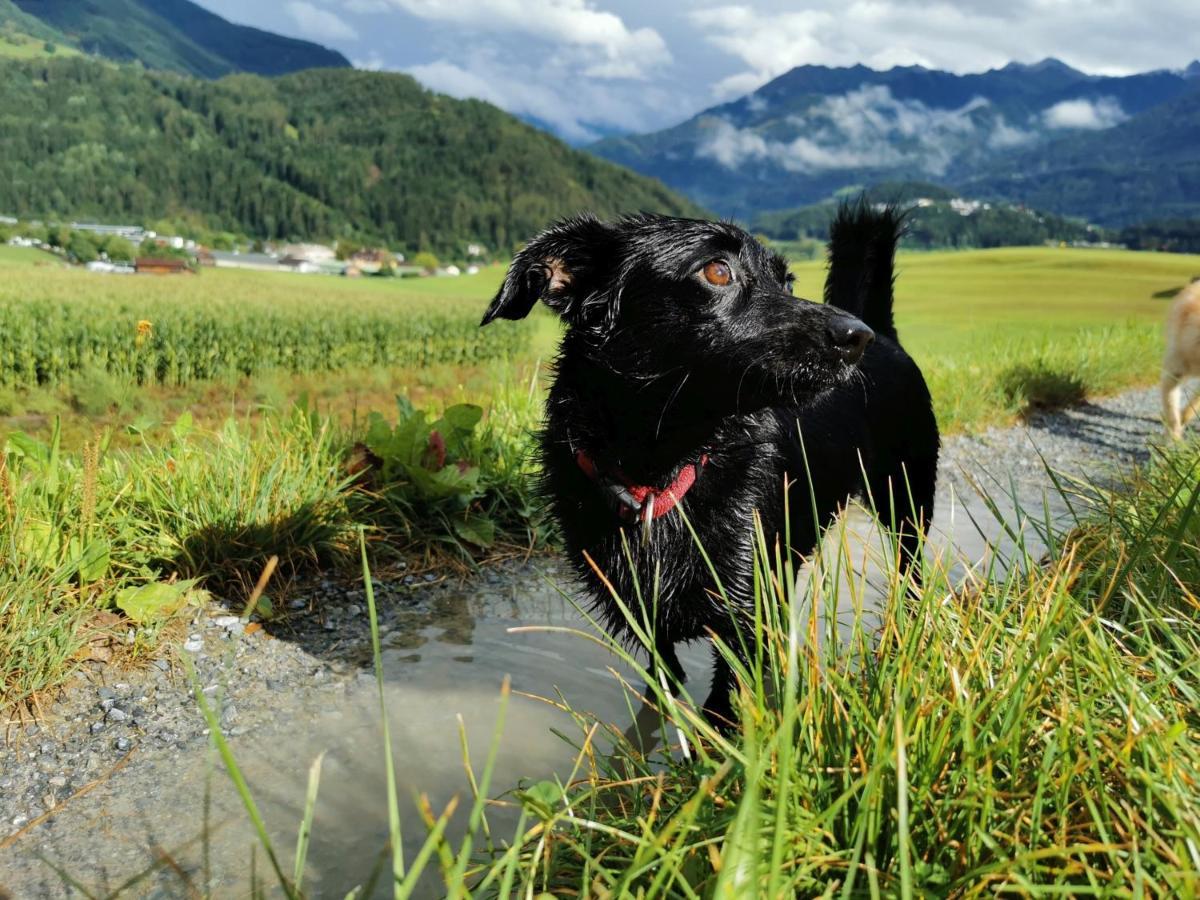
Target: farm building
[{"x": 149, "y": 266}]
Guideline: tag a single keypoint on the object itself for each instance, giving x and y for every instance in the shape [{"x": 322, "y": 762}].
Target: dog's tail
[{"x": 862, "y": 254}]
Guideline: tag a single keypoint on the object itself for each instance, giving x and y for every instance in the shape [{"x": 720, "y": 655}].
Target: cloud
[
  {"x": 1099, "y": 36},
  {"x": 545, "y": 92},
  {"x": 319, "y": 23},
  {"x": 615, "y": 50},
  {"x": 1104, "y": 112},
  {"x": 866, "y": 128}
]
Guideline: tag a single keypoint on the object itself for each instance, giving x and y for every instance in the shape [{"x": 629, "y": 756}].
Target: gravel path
[{"x": 121, "y": 735}]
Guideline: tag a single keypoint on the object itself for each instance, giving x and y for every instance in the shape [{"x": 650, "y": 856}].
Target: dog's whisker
[{"x": 670, "y": 400}]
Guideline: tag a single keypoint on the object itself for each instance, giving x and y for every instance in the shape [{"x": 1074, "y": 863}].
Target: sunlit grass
[{"x": 1032, "y": 733}]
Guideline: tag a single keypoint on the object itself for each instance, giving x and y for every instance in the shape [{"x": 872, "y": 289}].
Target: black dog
[{"x": 690, "y": 374}]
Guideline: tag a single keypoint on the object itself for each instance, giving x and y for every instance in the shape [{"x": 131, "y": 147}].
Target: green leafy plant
[{"x": 426, "y": 469}]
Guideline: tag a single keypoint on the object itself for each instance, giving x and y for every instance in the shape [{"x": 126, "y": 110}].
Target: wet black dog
[{"x": 689, "y": 374}]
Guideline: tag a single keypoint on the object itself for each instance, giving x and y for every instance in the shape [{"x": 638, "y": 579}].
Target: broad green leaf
[
  {"x": 463, "y": 417},
  {"x": 183, "y": 426},
  {"x": 476, "y": 530},
  {"x": 91, "y": 560},
  {"x": 153, "y": 602}
]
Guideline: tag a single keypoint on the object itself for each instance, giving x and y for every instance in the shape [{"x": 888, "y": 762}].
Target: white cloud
[
  {"x": 1104, "y": 112},
  {"x": 615, "y": 50},
  {"x": 866, "y": 128},
  {"x": 546, "y": 92},
  {"x": 769, "y": 37},
  {"x": 319, "y": 23}
]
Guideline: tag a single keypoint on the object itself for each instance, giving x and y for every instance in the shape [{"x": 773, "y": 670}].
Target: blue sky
[{"x": 587, "y": 67}]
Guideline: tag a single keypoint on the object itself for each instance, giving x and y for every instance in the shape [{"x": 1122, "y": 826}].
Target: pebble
[
  {"x": 229, "y": 623},
  {"x": 194, "y": 644}
]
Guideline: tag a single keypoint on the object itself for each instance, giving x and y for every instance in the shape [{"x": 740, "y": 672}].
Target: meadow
[
  {"x": 234, "y": 399},
  {"x": 166, "y": 437}
]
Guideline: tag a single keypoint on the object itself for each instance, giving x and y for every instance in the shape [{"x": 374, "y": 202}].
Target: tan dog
[{"x": 1182, "y": 359}]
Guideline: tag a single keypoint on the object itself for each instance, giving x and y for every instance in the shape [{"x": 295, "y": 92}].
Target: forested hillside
[
  {"x": 320, "y": 153},
  {"x": 937, "y": 218},
  {"x": 177, "y": 35}
]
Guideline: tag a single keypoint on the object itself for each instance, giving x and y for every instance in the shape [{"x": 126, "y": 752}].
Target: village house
[{"x": 151, "y": 266}]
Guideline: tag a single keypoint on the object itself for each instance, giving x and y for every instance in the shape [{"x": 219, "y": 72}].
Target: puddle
[{"x": 441, "y": 664}]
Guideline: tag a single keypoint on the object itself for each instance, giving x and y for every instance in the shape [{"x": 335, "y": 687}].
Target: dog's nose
[{"x": 850, "y": 338}]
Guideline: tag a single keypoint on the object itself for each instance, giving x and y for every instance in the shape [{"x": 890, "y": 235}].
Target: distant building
[
  {"x": 135, "y": 234},
  {"x": 151, "y": 266},
  {"x": 312, "y": 252},
  {"x": 262, "y": 262},
  {"x": 299, "y": 265}
]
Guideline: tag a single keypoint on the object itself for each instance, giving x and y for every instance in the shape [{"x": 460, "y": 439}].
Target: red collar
[{"x": 639, "y": 501}]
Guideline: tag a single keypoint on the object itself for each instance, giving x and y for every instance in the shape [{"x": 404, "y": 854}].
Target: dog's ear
[{"x": 562, "y": 266}]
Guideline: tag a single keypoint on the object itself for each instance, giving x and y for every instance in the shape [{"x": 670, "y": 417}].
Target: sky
[{"x": 586, "y": 68}]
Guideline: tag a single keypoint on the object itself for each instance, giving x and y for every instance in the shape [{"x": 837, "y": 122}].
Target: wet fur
[{"x": 657, "y": 367}]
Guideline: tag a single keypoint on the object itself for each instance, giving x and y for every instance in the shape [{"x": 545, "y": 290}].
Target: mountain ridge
[
  {"x": 173, "y": 35},
  {"x": 815, "y": 130}
]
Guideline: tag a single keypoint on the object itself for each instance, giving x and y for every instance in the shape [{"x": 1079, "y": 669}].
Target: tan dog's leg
[
  {"x": 1170, "y": 399},
  {"x": 1191, "y": 409}
]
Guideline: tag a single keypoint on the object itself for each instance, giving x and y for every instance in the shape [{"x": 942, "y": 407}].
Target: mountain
[
  {"x": 1145, "y": 168},
  {"x": 319, "y": 153},
  {"x": 815, "y": 130},
  {"x": 176, "y": 35}
]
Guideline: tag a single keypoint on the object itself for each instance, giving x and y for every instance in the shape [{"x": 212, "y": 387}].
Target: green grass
[
  {"x": 26, "y": 257},
  {"x": 103, "y": 541},
  {"x": 1000, "y": 332},
  {"x": 15, "y": 45}
]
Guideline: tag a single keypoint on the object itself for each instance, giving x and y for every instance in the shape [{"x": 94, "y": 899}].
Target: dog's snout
[{"x": 849, "y": 338}]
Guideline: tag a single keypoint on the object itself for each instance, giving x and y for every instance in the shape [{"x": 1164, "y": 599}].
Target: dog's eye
[
  {"x": 790, "y": 283},
  {"x": 717, "y": 273}
]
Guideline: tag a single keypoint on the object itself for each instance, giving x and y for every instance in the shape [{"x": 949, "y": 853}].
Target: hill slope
[
  {"x": 317, "y": 153},
  {"x": 815, "y": 129},
  {"x": 176, "y": 35},
  {"x": 1147, "y": 167}
]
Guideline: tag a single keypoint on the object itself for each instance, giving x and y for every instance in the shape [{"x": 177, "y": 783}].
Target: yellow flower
[{"x": 143, "y": 327}]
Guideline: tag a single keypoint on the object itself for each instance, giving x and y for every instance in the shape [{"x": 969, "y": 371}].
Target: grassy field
[
  {"x": 107, "y": 381},
  {"x": 14, "y": 45},
  {"x": 1036, "y": 734},
  {"x": 1025, "y": 327},
  {"x": 1028, "y": 327}
]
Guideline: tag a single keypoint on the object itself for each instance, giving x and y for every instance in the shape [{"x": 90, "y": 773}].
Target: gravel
[{"x": 263, "y": 677}]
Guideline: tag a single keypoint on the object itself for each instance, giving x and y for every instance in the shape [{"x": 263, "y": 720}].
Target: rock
[
  {"x": 122, "y": 744},
  {"x": 116, "y": 714},
  {"x": 194, "y": 644},
  {"x": 229, "y": 623}
]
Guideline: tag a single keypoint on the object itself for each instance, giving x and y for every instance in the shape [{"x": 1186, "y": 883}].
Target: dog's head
[{"x": 648, "y": 296}]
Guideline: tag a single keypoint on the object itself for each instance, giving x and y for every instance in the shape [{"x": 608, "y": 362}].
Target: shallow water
[{"x": 442, "y": 667}]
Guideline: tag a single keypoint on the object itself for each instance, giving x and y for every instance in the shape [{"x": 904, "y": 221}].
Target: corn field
[{"x": 174, "y": 330}]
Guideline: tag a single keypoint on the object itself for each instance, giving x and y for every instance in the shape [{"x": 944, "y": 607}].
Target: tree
[
  {"x": 82, "y": 247},
  {"x": 118, "y": 249},
  {"x": 426, "y": 261}
]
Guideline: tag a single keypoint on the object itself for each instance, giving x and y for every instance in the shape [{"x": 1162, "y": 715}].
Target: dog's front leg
[
  {"x": 666, "y": 660},
  {"x": 718, "y": 708}
]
